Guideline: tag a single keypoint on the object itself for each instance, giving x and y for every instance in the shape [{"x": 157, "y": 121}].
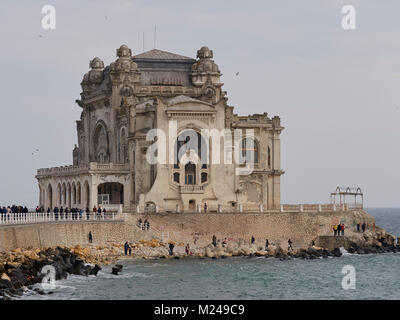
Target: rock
[
  {"x": 18, "y": 278},
  {"x": 95, "y": 270},
  {"x": 5, "y": 284},
  {"x": 117, "y": 269},
  {"x": 336, "y": 252},
  {"x": 4, "y": 276}
]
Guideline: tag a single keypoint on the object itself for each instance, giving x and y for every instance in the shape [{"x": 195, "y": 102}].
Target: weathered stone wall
[
  {"x": 277, "y": 227},
  {"x": 198, "y": 229}
]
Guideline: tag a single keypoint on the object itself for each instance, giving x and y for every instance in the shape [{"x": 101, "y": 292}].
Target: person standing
[
  {"x": 358, "y": 227},
  {"x": 342, "y": 229},
  {"x": 187, "y": 249},
  {"x": 335, "y": 230},
  {"x": 90, "y": 237},
  {"x": 126, "y": 247},
  {"x": 214, "y": 240},
  {"x": 253, "y": 239},
  {"x": 266, "y": 244},
  {"x": 205, "y": 207},
  {"x": 171, "y": 249}
]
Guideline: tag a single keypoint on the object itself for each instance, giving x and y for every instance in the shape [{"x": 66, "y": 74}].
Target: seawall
[{"x": 193, "y": 228}]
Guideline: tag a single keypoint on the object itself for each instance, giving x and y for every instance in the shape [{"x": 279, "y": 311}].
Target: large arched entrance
[{"x": 110, "y": 193}]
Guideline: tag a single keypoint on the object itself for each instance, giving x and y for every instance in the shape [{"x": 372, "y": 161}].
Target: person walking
[
  {"x": 338, "y": 229},
  {"x": 187, "y": 249},
  {"x": 266, "y": 244},
  {"x": 290, "y": 245},
  {"x": 90, "y": 237},
  {"x": 87, "y": 213},
  {"x": 335, "y": 230},
  {"x": 253, "y": 239},
  {"x": 358, "y": 227},
  {"x": 363, "y": 226},
  {"x": 205, "y": 207},
  {"x": 342, "y": 229}
]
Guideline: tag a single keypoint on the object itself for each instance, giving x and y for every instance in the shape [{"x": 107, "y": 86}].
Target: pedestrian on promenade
[
  {"x": 266, "y": 244},
  {"x": 214, "y": 240},
  {"x": 358, "y": 227},
  {"x": 99, "y": 212},
  {"x": 140, "y": 223},
  {"x": 126, "y": 247},
  {"x": 363, "y": 226},
  {"x": 90, "y": 237},
  {"x": 290, "y": 245},
  {"x": 187, "y": 249},
  {"x": 205, "y": 206},
  {"x": 342, "y": 229},
  {"x": 87, "y": 213},
  {"x": 145, "y": 225},
  {"x": 253, "y": 239},
  {"x": 335, "y": 230},
  {"x": 338, "y": 229},
  {"x": 171, "y": 249}
]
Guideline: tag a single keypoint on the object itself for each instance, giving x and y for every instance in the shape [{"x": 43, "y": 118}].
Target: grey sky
[{"x": 336, "y": 91}]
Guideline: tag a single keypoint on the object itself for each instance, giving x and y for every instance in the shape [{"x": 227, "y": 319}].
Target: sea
[{"x": 371, "y": 276}]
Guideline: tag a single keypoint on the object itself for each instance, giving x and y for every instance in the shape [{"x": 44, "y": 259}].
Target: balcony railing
[
  {"x": 191, "y": 189},
  {"x": 92, "y": 166},
  {"x": 43, "y": 217}
]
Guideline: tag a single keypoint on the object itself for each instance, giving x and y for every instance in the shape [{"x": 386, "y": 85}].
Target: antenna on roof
[
  {"x": 143, "y": 41},
  {"x": 155, "y": 36}
]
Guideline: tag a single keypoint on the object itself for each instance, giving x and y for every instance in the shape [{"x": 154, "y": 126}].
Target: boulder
[
  {"x": 117, "y": 269},
  {"x": 95, "y": 270}
]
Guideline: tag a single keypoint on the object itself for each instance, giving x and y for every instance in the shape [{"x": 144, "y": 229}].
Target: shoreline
[{"x": 22, "y": 268}]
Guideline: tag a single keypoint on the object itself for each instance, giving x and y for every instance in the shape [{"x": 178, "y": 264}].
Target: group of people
[
  {"x": 252, "y": 241},
  {"x": 14, "y": 209},
  {"x": 364, "y": 226},
  {"x": 338, "y": 229},
  {"x": 143, "y": 225}
]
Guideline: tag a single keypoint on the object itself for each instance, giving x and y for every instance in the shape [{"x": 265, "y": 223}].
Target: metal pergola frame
[{"x": 342, "y": 192}]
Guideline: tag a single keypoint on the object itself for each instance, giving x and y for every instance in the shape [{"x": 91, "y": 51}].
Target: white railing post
[
  {"x": 334, "y": 207},
  {"x": 240, "y": 207},
  {"x": 319, "y": 208},
  {"x": 219, "y": 208},
  {"x": 261, "y": 207},
  {"x": 281, "y": 207}
]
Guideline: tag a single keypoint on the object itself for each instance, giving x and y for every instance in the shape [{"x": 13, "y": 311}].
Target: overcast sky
[{"x": 336, "y": 91}]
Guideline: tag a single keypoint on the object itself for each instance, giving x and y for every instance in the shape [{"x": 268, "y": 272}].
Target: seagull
[{"x": 237, "y": 73}]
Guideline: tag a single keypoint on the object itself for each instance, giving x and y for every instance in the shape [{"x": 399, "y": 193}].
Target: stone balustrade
[
  {"x": 34, "y": 217},
  {"x": 75, "y": 170}
]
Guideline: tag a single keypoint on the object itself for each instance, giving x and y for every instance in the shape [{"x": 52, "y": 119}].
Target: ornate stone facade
[{"x": 122, "y": 102}]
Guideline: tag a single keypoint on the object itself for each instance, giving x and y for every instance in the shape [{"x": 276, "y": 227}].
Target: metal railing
[{"x": 42, "y": 217}]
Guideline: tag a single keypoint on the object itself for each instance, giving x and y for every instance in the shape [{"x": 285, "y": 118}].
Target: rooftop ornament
[{"x": 342, "y": 192}]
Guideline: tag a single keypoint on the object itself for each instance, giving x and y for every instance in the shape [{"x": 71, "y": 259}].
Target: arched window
[
  {"x": 190, "y": 140},
  {"x": 269, "y": 157},
  {"x": 204, "y": 177},
  {"x": 190, "y": 173},
  {"x": 101, "y": 144},
  {"x": 176, "y": 177},
  {"x": 249, "y": 151}
]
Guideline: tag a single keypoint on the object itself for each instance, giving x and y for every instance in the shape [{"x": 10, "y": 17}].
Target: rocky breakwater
[{"x": 20, "y": 269}]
